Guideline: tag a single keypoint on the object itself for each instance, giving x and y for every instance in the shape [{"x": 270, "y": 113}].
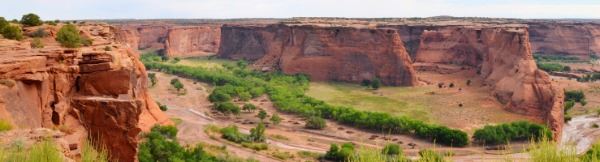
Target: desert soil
[{"x": 194, "y": 111}]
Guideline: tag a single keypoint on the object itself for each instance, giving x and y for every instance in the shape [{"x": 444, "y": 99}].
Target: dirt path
[{"x": 194, "y": 110}]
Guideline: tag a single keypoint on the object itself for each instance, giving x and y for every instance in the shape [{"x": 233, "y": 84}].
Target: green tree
[
  {"x": 12, "y": 32},
  {"x": 262, "y": 114},
  {"x": 31, "y": 20},
  {"x": 248, "y": 107},
  {"x": 365, "y": 83},
  {"x": 275, "y": 119},
  {"x": 568, "y": 105},
  {"x": 258, "y": 134},
  {"x": 3, "y": 23},
  {"x": 338, "y": 154},
  {"x": 315, "y": 122},
  {"x": 68, "y": 36},
  {"x": 245, "y": 96},
  {"x": 152, "y": 77},
  {"x": 376, "y": 83}
]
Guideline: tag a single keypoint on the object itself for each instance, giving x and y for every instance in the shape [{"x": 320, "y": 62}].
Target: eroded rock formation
[
  {"x": 324, "y": 53},
  {"x": 504, "y": 60},
  {"x": 92, "y": 92},
  {"x": 193, "y": 41},
  {"x": 579, "y": 39},
  {"x": 173, "y": 40}
]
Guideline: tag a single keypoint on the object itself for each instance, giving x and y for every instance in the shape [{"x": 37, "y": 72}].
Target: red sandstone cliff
[
  {"x": 193, "y": 41},
  {"x": 94, "y": 93},
  {"x": 503, "y": 57},
  {"x": 173, "y": 40},
  {"x": 579, "y": 39},
  {"x": 324, "y": 53}
]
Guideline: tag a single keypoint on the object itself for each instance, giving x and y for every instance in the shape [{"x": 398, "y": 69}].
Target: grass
[
  {"x": 279, "y": 137},
  {"x": 90, "y": 154},
  {"x": 549, "y": 151},
  {"x": 255, "y": 146},
  {"x": 373, "y": 155},
  {"x": 5, "y": 125},
  {"x": 205, "y": 62},
  {"x": 344, "y": 94},
  {"x": 43, "y": 151},
  {"x": 176, "y": 121},
  {"x": 282, "y": 155}
]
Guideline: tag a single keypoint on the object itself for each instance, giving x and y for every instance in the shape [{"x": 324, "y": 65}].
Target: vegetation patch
[
  {"x": 515, "y": 131},
  {"x": 287, "y": 94}
]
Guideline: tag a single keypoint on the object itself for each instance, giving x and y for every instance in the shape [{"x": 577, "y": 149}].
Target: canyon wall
[
  {"x": 324, "y": 53},
  {"x": 502, "y": 55},
  {"x": 87, "y": 92},
  {"x": 172, "y": 40},
  {"x": 504, "y": 60},
  {"x": 579, "y": 39},
  {"x": 193, "y": 41}
]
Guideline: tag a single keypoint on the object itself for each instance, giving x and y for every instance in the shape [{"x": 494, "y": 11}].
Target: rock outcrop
[
  {"x": 324, "y": 53},
  {"x": 193, "y": 41},
  {"x": 579, "y": 39},
  {"x": 172, "y": 40},
  {"x": 95, "y": 93},
  {"x": 504, "y": 60}
]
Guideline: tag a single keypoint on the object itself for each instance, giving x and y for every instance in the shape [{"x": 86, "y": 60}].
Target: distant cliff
[{"x": 324, "y": 53}]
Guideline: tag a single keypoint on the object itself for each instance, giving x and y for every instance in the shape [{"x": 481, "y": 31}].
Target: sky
[{"x": 158, "y": 9}]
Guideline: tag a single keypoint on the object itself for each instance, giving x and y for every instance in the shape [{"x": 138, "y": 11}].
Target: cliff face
[
  {"x": 173, "y": 40},
  {"x": 324, "y": 53},
  {"x": 503, "y": 57},
  {"x": 579, "y": 39},
  {"x": 193, "y": 41},
  {"x": 94, "y": 93}
]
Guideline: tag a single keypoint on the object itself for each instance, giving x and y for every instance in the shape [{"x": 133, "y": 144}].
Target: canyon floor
[{"x": 290, "y": 141}]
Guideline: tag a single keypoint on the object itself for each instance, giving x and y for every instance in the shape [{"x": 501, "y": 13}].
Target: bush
[
  {"x": 227, "y": 108},
  {"x": 160, "y": 144},
  {"x": 162, "y": 107},
  {"x": 568, "y": 105},
  {"x": 315, "y": 123},
  {"x": 392, "y": 149},
  {"x": 376, "y": 83},
  {"x": 12, "y": 32},
  {"x": 152, "y": 77},
  {"x": 257, "y": 134},
  {"x": 31, "y": 20},
  {"x": 515, "y": 131},
  {"x": 37, "y": 43},
  {"x": 262, "y": 114},
  {"x": 107, "y": 48},
  {"x": 39, "y": 33},
  {"x": 275, "y": 119},
  {"x": 249, "y": 107},
  {"x": 340, "y": 154},
  {"x": 86, "y": 41},
  {"x": 232, "y": 133},
  {"x": 576, "y": 96},
  {"x": 3, "y": 23},
  {"x": 68, "y": 36}
]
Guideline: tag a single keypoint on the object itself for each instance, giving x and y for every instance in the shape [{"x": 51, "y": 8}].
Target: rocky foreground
[{"x": 97, "y": 92}]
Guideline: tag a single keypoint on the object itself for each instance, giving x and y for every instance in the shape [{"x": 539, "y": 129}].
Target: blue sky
[{"x": 144, "y": 9}]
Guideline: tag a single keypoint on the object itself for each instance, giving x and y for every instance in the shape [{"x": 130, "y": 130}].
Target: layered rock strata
[
  {"x": 92, "y": 92},
  {"x": 324, "y": 53}
]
